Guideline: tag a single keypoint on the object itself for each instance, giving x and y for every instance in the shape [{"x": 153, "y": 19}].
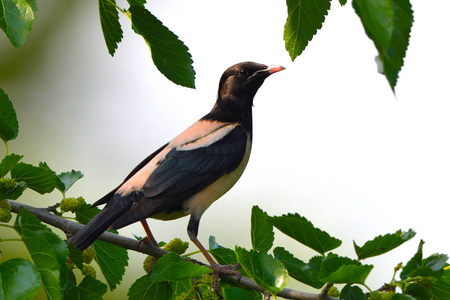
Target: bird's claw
[
  {"x": 146, "y": 240},
  {"x": 235, "y": 267},
  {"x": 224, "y": 269}
]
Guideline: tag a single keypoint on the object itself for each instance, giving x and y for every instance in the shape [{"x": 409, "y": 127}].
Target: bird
[{"x": 186, "y": 175}]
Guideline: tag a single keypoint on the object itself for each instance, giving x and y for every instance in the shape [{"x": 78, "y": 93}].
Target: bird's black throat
[{"x": 232, "y": 111}]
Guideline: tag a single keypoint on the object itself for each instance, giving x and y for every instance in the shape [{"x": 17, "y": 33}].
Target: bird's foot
[
  {"x": 147, "y": 240},
  {"x": 217, "y": 269},
  {"x": 235, "y": 268}
]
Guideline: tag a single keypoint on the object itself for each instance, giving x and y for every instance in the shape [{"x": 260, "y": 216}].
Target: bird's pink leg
[
  {"x": 149, "y": 233},
  {"x": 216, "y": 268},
  {"x": 149, "y": 238}
]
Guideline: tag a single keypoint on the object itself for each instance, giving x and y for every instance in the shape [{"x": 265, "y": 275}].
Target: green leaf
[
  {"x": 19, "y": 279},
  {"x": 162, "y": 262},
  {"x": 417, "y": 291},
  {"x": 112, "y": 261},
  {"x": 232, "y": 293},
  {"x": 181, "y": 286},
  {"x": 431, "y": 266},
  {"x": 388, "y": 24},
  {"x": 146, "y": 288},
  {"x": 16, "y": 19},
  {"x": 169, "y": 54},
  {"x": 441, "y": 288},
  {"x": 89, "y": 288},
  {"x": 435, "y": 262},
  {"x": 383, "y": 244},
  {"x": 40, "y": 179},
  {"x": 269, "y": 273},
  {"x": 60, "y": 249},
  {"x": 14, "y": 193},
  {"x": 65, "y": 180},
  {"x": 402, "y": 297},
  {"x": 307, "y": 273},
  {"x": 25, "y": 219},
  {"x": 70, "y": 292},
  {"x": 167, "y": 259},
  {"x": 76, "y": 256},
  {"x": 332, "y": 262},
  {"x": 224, "y": 256},
  {"x": 137, "y": 2},
  {"x": 181, "y": 270},
  {"x": 47, "y": 250},
  {"x": 303, "y": 231},
  {"x": 109, "y": 19},
  {"x": 305, "y": 17},
  {"x": 8, "y": 163},
  {"x": 414, "y": 263},
  {"x": 9, "y": 126},
  {"x": 212, "y": 243},
  {"x": 261, "y": 230},
  {"x": 350, "y": 274},
  {"x": 45, "y": 260},
  {"x": 352, "y": 293},
  {"x": 343, "y": 2},
  {"x": 85, "y": 213}
]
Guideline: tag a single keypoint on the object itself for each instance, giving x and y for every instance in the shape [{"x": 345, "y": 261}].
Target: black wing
[
  {"x": 115, "y": 208},
  {"x": 108, "y": 196},
  {"x": 184, "y": 173}
]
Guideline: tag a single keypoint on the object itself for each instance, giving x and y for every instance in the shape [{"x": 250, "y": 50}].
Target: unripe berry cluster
[
  {"x": 5, "y": 211},
  {"x": 89, "y": 270},
  {"x": 333, "y": 292},
  {"x": 176, "y": 245},
  {"x": 8, "y": 183},
  {"x": 148, "y": 264},
  {"x": 381, "y": 295},
  {"x": 205, "y": 285},
  {"x": 88, "y": 255},
  {"x": 71, "y": 204}
]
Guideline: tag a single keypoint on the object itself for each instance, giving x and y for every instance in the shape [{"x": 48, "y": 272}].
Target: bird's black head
[
  {"x": 237, "y": 88},
  {"x": 241, "y": 81}
]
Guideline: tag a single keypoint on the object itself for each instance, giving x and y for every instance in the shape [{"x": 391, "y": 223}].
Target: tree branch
[{"x": 71, "y": 227}]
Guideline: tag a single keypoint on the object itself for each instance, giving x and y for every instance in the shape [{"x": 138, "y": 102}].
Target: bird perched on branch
[{"x": 186, "y": 175}]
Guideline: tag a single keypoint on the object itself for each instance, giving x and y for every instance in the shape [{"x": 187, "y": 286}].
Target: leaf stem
[
  {"x": 118, "y": 8},
  {"x": 10, "y": 240},
  {"x": 368, "y": 288},
  {"x": 393, "y": 277},
  {"x": 6, "y": 147},
  {"x": 190, "y": 254}
]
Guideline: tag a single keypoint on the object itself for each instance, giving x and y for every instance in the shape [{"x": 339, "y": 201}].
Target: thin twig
[
  {"x": 71, "y": 227},
  {"x": 324, "y": 293},
  {"x": 53, "y": 208}
]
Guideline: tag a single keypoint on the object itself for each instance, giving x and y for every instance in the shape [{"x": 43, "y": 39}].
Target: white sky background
[{"x": 331, "y": 141}]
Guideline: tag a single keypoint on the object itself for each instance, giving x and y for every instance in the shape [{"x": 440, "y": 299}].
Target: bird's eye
[{"x": 243, "y": 72}]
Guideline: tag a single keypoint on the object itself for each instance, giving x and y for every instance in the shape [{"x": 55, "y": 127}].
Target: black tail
[{"x": 99, "y": 224}]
